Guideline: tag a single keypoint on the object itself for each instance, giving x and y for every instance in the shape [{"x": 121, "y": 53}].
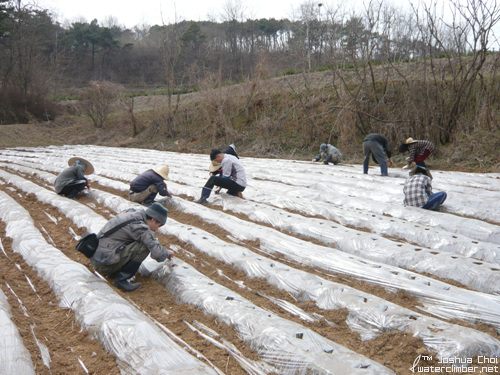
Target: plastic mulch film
[
  {"x": 14, "y": 357},
  {"x": 289, "y": 347},
  {"x": 330, "y": 187},
  {"x": 369, "y": 315},
  {"x": 138, "y": 344},
  {"x": 475, "y": 304},
  {"x": 428, "y": 233},
  {"x": 482, "y": 276}
]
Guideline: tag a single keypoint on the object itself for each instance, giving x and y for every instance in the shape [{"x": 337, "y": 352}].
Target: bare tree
[
  {"x": 463, "y": 46},
  {"x": 99, "y": 100}
]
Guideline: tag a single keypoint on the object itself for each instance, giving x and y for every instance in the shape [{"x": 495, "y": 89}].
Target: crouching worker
[
  {"x": 72, "y": 180},
  {"x": 120, "y": 254},
  {"x": 233, "y": 176},
  {"x": 329, "y": 154},
  {"x": 145, "y": 187},
  {"x": 418, "y": 190}
]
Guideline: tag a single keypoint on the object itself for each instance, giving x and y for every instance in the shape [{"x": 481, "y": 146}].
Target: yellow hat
[
  {"x": 163, "y": 171},
  {"x": 214, "y": 166},
  {"x": 89, "y": 169},
  {"x": 410, "y": 140}
]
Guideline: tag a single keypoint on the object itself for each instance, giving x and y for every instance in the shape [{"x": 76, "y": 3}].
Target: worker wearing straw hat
[
  {"x": 72, "y": 180},
  {"x": 418, "y": 151},
  {"x": 145, "y": 187}
]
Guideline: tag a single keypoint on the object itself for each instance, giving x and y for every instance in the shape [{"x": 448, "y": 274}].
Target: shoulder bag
[{"x": 89, "y": 241}]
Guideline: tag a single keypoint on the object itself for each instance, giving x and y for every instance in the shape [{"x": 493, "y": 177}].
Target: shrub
[
  {"x": 99, "y": 100},
  {"x": 19, "y": 108}
]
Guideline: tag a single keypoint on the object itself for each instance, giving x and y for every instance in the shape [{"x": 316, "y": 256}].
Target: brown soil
[{"x": 56, "y": 328}]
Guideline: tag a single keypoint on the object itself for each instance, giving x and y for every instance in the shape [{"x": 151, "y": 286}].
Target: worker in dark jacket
[
  {"x": 145, "y": 187},
  {"x": 231, "y": 150},
  {"x": 72, "y": 180},
  {"x": 378, "y": 146},
  {"x": 120, "y": 254}
]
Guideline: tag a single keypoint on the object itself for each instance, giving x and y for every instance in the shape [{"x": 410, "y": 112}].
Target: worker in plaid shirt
[
  {"x": 418, "y": 190},
  {"x": 419, "y": 151}
]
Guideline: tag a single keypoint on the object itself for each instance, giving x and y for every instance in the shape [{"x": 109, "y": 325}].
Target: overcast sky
[{"x": 133, "y": 12}]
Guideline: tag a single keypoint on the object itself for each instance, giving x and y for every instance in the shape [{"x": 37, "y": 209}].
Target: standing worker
[{"x": 378, "y": 146}]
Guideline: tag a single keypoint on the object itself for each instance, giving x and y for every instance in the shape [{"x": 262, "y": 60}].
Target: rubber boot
[
  {"x": 383, "y": 169},
  {"x": 205, "y": 193},
  {"x": 365, "y": 168},
  {"x": 122, "y": 277}
]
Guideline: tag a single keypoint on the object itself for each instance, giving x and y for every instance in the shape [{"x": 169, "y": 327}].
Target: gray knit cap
[{"x": 158, "y": 212}]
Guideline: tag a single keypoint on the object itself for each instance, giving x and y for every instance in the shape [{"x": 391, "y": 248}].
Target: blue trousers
[{"x": 435, "y": 200}]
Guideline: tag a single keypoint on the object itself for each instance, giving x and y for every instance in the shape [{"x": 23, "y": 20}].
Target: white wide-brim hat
[
  {"x": 89, "y": 168},
  {"x": 163, "y": 171}
]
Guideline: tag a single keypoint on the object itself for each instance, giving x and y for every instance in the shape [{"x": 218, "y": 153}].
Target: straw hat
[
  {"x": 163, "y": 171},
  {"x": 89, "y": 169},
  {"x": 214, "y": 166},
  {"x": 410, "y": 140},
  {"x": 420, "y": 169}
]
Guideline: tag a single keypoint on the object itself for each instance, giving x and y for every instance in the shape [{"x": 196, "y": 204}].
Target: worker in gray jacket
[
  {"x": 72, "y": 180},
  {"x": 329, "y": 154},
  {"x": 120, "y": 254}
]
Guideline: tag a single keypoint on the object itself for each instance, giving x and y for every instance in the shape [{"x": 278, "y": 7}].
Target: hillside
[{"x": 286, "y": 117}]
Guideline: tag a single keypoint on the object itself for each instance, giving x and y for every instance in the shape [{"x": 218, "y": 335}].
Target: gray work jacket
[{"x": 109, "y": 249}]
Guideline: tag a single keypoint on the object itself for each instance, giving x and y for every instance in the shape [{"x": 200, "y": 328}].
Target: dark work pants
[
  {"x": 232, "y": 187},
  {"x": 71, "y": 190}
]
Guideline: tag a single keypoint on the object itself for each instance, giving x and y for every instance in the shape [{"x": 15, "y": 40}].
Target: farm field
[{"x": 319, "y": 270}]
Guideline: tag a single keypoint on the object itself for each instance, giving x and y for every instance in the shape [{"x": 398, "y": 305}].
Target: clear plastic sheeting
[
  {"x": 138, "y": 344},
  {"x": 14, "y": 357},
  {"x": 368, "y": 315},
  {"x": 84, "y": 216},
  {"x": 429, "y": 236},
  {"x": 290, "y": 347},
  {"x": 329, "y": 187},
  {"x": 344, "y": 180},
  {"x": 440, "y": 298},
  {"x": 444, "y": 244},
  {"x": 481, "y": 276}
]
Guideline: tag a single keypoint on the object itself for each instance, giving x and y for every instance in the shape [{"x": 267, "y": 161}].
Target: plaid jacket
[
  {"x": 417, "y": 190},
  {"x": 419, "y": 147}
]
